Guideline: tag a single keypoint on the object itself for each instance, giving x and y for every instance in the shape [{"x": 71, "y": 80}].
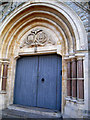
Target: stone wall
[
  {"x": 82, "y": 10},
  {"x": 7, "y": 7}
]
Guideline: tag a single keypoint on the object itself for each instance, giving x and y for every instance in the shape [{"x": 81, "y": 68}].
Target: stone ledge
[
  {"x": 74, "y": 100},
  {"x": 3, "y": 92}
]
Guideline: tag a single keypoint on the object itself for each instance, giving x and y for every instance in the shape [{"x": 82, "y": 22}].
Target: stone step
[{"x": 17, "y": 111}]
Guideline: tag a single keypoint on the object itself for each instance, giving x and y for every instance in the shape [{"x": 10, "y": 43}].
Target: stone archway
[{"x": 66, "y": 33}]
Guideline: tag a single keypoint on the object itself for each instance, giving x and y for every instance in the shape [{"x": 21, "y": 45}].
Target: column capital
[
  {"x": 80, "y": 56},
  {"x": 70, "y": 59},
  {"x": 74, "y": 59},
  {"x": 4, "y": 61}
]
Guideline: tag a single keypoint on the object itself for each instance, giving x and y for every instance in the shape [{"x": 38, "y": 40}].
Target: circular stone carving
[
  {"x": 30, "y": 39},
  {"x": 37, "y": 38},
  {"x": 41, "y": 37}
]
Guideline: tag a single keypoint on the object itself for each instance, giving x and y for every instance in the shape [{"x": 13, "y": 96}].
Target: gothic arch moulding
[{"x": 58, "y": 18}]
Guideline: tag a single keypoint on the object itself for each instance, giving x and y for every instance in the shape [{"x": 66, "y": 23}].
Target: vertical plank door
[
  {"x": 38, "y": 81},
  {"x": 49, "y": 82},
  {"x": 26, "y": 81}
]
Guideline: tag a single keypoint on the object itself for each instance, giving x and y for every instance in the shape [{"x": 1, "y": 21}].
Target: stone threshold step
[{"x": 35, "y": 110}]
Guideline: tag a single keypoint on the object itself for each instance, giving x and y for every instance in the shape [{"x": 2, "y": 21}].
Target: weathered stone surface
[
  {"x": 63, "y": 25},
  {"x": 82, "y": 10}
]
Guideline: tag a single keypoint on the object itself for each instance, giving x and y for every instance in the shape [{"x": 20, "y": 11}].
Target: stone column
[
  {"x": 69, "y": 80},
  {"x": 0, "y": 74},
  {"x": 4, "y": 77},
  {"x": 0, "y": 69},
  {"x": 74, "y": 78},
  {"x": 3, "y": 74},
  {"x": 80, "y": 79}
]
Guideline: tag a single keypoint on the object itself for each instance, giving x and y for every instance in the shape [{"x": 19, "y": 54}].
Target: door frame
[{"x": 52, "y": 52}]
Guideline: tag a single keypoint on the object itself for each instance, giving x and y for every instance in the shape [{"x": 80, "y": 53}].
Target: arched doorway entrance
[{"x": 41, "y": 28}]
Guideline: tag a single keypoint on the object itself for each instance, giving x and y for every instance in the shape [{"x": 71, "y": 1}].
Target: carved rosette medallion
[{"x": 37, "y": 38}]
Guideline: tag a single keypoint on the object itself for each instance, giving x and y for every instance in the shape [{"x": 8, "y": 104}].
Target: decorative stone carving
[{"x": 37, "y": 38}]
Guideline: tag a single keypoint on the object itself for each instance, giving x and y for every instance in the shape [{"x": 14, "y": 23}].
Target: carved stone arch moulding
[
  {"x": 39, "y": 40},
  {"x": 59, "y": 14}
]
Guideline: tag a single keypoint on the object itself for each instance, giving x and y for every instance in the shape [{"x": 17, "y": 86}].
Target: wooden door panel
[
  {"x": 38, "y": 81},
  {"x": 26, "y": 81},
  {"x": 49, "y": 89}
]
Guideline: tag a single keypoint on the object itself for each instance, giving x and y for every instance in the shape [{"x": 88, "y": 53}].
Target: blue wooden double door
[{"x": 38, "y": 81}]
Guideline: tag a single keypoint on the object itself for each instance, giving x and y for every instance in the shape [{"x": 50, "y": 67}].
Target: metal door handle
[{"x": 42, "y": 79}]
